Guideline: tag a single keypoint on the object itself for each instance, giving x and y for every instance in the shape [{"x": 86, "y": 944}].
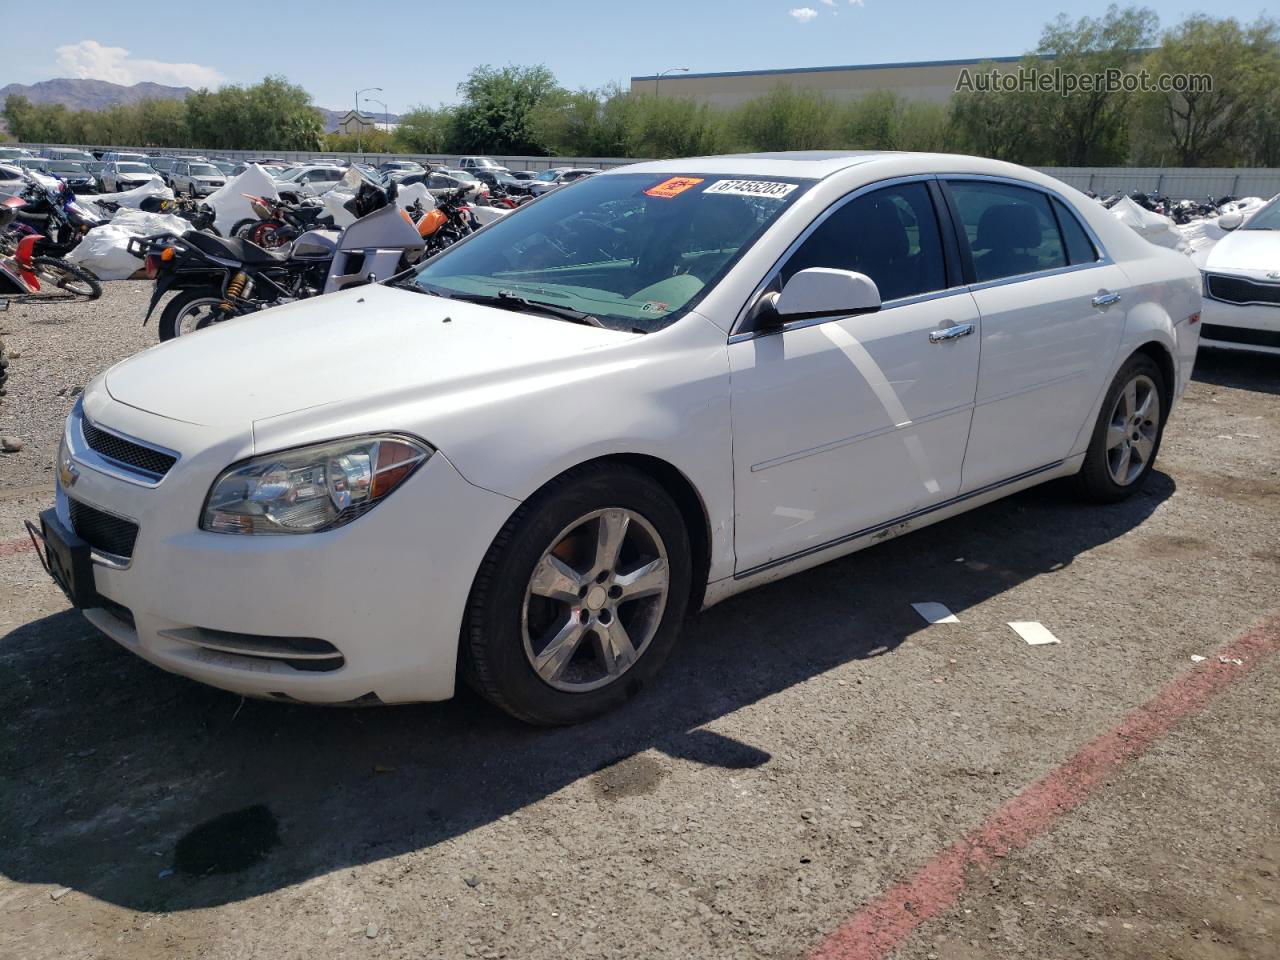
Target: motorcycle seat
[{"x": 234, "y": 248}]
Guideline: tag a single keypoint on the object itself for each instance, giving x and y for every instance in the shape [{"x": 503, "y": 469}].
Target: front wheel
[
  {"x": 75, "y": 282},
  {"x": 580, "y": 598},
  {"x": 1126, "y": 438},
  {"x": 192, "y": 310}
]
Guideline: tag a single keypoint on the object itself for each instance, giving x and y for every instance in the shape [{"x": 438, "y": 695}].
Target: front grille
[
  {"x": 1241, "y": 290},
  {"x": 126, "y": 452},
  {"x": 103, "y": 531},
  {"x": 1241, "y": 335}
]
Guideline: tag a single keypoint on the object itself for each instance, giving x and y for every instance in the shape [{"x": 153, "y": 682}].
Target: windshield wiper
[{"x": 506, "y": 300}]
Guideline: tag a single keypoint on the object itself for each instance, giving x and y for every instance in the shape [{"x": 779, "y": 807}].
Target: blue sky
[{"x": 420, "y": 54}]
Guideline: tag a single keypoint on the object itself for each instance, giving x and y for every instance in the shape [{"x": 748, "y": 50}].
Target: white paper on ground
[
  {"x": 1196, "y": 658},
  {"x": 1034, "y": 632},
  {"x": 935, "y": 612}
]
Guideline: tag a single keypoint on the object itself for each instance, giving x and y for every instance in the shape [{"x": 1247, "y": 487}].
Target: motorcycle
[
  {"x": 53, "y": 212},
  {"x": 280, "y": 223},
  {"x": 449, "y": 222},
  {"x": 224, "y": 277},
  {"x": 28, "y": 278}
]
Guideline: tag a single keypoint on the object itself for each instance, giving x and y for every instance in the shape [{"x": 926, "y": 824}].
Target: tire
[
  {"x": 510, "y": 627},
  {"x": 4, "y": 368},
  {"x": 1116, "y": 465},
  {"x": 68, "y": 277},
  {"x": 172, "y": 318},
  {"x": 241, "y": 228}
]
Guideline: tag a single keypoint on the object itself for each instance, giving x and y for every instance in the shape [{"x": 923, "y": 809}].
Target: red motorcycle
[{"x": 27, "y": 278}]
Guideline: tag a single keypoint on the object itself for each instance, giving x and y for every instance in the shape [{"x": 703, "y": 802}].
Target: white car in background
[
  {"x": 674, "y": 382},
  {"x": 1242, "y": 283},
  {"x": 198, "y": 178},
  {"x": 119, "y": 176},
  {"x": 309, "y": 180}
]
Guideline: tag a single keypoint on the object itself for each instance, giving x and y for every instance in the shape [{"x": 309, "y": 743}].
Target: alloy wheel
[
  {"x": 595, "y": 600},
  {"x": 1132, "y": 430}
]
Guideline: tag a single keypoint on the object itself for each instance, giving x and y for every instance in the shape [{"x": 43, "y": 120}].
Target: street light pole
[
  {"x": 359, "y": 123},
  {"x": 385, "y": 122},
  {"x": 658, "y": 79}
]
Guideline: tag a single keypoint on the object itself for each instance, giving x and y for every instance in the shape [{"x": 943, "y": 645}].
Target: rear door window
[
  {"x": 1010, "y": 230},
  {"x": 1080, "y": 248}
]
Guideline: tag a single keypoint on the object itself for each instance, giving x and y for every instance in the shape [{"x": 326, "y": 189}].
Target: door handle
[
  {"x": 1106, "y": 299},
  {"x": 953, "y": 332}
]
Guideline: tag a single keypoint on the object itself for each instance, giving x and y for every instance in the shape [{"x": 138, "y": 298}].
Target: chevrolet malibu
[{"x": 526, "y": 461}]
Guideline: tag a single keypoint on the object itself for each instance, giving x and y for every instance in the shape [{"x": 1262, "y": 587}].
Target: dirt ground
[{"x": 809, "y": 745}]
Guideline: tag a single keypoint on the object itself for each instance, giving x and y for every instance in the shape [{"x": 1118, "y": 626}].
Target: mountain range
[{"x": 100, "y": 94}]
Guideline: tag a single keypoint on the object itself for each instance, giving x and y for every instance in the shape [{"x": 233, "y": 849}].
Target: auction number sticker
[
  {"x": 673, "y": 187},
  {"x": 751, "y": 188}
]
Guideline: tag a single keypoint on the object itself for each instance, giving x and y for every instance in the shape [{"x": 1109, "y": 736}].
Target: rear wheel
[
  {"x": 191, "y": 310},
  {"x": 1126, "y": 438},
  {"x": 580, "y": 598}
]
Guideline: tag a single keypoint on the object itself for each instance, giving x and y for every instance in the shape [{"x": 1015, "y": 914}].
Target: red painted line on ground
[
  {"x": 888, "y": 920},
  {"x": 10, "y": 547}
]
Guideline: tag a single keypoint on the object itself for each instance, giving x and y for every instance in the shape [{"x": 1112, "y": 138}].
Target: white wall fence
[{"x": 1179, "y": 183}]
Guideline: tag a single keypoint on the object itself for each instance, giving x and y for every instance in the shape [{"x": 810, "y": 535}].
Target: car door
[
  {"x": 842, "y": 425},
  {"x": 1052, "y": 316}
]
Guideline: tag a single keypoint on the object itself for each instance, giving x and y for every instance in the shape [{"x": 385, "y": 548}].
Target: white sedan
[
  {"x": 633, "y": 398},
  {"x": 1242, "y": 283}
]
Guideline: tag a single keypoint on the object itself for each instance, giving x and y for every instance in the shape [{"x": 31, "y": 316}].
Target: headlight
[{"x": 311, "y": 488}]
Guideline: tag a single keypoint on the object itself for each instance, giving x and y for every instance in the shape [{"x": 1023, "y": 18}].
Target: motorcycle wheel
[
  {"x": 67, "y": 277},
  {"x": 269, "y": 234},
  {"x": 242, "y": 227},
  {"x": 191, "y": 310}
]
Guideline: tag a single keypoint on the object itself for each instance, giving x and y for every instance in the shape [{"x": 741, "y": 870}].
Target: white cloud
[
  {"x": 853, "y": 3},
  {"x": 90, "y": 60},
  {"x": 803, "y": 14},
  {"x": 829, "y": 3}
]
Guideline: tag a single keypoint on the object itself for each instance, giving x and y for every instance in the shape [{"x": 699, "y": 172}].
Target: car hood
[
  {"x": 366, "y": 343},
  {"x": 1247, "y": 253}
]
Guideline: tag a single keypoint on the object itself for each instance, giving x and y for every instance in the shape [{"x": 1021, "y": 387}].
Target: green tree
[
  {"x": 1217, "y": 125},
  {"x": 1088, "y": 127},
  {"x": 998, "y": 124},
  {"x": 495, "y": 115},
  {"x": 424, "y": 130},
  {"x": 785, "y": 118}
]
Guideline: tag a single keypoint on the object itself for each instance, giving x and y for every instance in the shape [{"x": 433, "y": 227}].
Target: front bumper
[
  {"x": 1253, "y": 327},
  {"x": 263, "y": 616}
]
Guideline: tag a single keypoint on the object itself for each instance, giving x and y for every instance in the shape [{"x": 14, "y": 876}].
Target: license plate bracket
[{"x": 66, "y": 558}]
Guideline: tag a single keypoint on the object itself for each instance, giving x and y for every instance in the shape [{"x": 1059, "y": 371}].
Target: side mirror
[
  {"x": 1230, "y": 221},
  {"x": 822, "y": 292}
]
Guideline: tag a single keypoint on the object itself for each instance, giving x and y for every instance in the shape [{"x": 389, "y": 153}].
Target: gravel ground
[
  {"x": 57, "y": 349},
  {"x": 808, "y": 745}
]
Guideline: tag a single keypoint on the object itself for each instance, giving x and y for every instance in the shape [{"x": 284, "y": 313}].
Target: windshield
[
  {"x": 74, "y": 155},
  {"x": 205, "y": 170},
  {"x": 291, "y": 174},
  {"x": 65, "y": 166},
  {"x": 460, "y": 175},
  {"x": 634, "y": 250},
  {"x": 133, "y": 168},
  {"x": 1268, "y": 218},
  {"x": 548, "y": 175}
]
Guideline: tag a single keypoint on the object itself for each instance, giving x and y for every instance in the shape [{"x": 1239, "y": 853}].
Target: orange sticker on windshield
[{"x": 673, "y": 187}]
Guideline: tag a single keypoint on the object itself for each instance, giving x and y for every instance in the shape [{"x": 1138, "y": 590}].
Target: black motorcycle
[{"x": 223, "y": 277}]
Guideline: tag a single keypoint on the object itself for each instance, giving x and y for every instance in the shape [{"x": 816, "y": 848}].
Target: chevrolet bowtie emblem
[{"x": 1274, "y": 275}]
